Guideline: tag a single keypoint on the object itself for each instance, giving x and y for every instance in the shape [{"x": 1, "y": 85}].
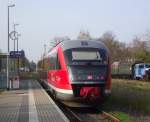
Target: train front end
[{"x": 89, "y": 72}]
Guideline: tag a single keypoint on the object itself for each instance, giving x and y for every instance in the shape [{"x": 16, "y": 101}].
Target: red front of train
[{"x": 79, "y": 71}]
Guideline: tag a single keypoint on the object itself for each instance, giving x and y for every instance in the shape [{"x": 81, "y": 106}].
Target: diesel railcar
[{"x": 79, "y": 72}]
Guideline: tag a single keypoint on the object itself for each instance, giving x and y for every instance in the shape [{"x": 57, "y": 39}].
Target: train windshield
[
  {"x": 86, "y": 55},
  {"x": 82, "y": 56},
  {"x": 86, "y": 64}
]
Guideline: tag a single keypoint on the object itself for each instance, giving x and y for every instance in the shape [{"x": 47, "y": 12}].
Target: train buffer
[{"x": 30, "y": 103}]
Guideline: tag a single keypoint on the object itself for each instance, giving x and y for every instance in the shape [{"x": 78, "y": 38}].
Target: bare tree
[
  {"x": 147, "y": 41},
  {"x": 139, "y": 52},
  {"x": 116, "y": 48}
]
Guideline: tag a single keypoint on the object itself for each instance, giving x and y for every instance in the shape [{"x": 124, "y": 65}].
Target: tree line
[{"x": 137, "y": 50}]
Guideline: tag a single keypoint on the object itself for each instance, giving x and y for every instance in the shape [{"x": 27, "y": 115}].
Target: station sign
[{"x": 17, "y": 54}]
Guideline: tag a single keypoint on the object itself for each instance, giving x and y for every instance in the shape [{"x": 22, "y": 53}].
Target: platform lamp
[
  {"x": 10, "y": 6},
  {"x": 8, "y": 86},
  {"x": 17, "y": 51},
  {"x": 15, "y": 35}
]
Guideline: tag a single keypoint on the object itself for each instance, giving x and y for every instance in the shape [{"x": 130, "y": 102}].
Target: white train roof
[{"x": 69, "y": 44}]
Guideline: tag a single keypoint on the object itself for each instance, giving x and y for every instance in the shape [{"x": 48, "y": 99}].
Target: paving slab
[{"x": 30, "y": 103}]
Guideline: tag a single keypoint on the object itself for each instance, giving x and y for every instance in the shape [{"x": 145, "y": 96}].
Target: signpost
[{"x": 15, "y": 79}]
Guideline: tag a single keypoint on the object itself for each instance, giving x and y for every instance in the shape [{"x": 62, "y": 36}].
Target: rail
[{"x": 77, "y": 116}]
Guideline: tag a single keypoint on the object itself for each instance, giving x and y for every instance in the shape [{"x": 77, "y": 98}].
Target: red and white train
[{"x": 79, "y": 72}]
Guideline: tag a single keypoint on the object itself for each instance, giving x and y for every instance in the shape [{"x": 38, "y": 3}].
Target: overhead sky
[{"x": 42, "y": 20}]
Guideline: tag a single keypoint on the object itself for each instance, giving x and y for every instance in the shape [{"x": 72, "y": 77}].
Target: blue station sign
[{"x": 17, "y": 54}]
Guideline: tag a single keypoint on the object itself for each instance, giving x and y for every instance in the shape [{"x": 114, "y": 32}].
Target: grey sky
[{"x": 41, "y": 20}]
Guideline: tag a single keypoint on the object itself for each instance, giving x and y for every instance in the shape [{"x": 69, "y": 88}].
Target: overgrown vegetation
[
  {"x": 123, "y": 52},
  {"x": 129, "y": 98}
]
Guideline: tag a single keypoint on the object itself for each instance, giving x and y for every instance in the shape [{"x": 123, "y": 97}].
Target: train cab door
[{"x": 61, "y": 75}]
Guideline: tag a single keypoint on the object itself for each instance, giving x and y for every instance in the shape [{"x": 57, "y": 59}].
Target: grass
[
  {"x": 123, "y": 117},
  {"x": 129, "y": 99}
]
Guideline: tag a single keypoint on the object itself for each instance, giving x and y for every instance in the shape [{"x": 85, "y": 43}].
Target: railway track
[
  {"x": 88, "y": 115},
  {"x": 110, "y": 117},
  {"x": 84, "y": 114}
]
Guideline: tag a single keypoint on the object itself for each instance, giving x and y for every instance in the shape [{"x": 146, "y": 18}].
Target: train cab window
[
  {"x": 58, "y": 63},
  {"x": 84, "y": 55},
  {"x": 52, "y": 61}
]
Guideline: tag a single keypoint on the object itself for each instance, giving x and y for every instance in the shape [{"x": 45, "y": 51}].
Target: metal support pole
[
  {"x": 15, "y": 46},
  {"x": 8, "y": 71},
  {"x": 14, "y": 38},
  {"x": 8, "y": 29},
  {"x": 44, "y": 56},
  {"x": 8, "y": 54},
  {"x": 8, "y": 86},
  {"x": 17, "y": 59}
]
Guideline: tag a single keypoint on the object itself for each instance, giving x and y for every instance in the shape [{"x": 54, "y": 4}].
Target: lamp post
[
  {"x": 17, "y": 51},
  {"x": 8, "y": 50},
  {"x": 17, "y": 41},
  {"x": 44, "y": 56},
  {"x": 15, "y": 35},
  {"x": 8, "y": 23}
]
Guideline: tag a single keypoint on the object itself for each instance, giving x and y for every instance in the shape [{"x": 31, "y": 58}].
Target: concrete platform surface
[{"x": 29, "y": 104}]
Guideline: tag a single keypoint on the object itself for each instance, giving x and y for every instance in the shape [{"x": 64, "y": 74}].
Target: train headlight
[{"x": 70, "y": 74}]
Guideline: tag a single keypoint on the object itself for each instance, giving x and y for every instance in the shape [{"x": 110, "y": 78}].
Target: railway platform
[{"x": 30, "y": 103}]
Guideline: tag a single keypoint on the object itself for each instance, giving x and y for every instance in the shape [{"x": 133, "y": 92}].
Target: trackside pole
[{"x": 7, "y": 71}]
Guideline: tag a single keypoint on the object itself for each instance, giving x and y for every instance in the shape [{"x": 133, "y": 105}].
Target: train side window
[{"x": 58, "y": 63}]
